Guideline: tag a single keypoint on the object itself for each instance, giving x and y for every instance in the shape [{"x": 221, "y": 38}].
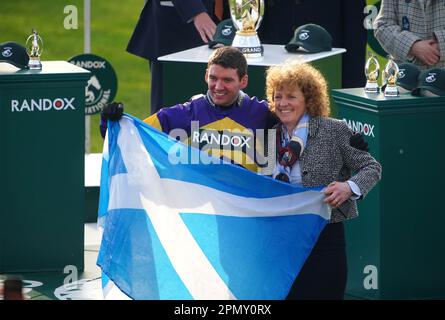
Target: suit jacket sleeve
[
  {"x": 389, "y": 33},
  {"x": 440, "y": 35},
  {"x": 187, "y": 9},
  {"x": 367, "y": 169}
]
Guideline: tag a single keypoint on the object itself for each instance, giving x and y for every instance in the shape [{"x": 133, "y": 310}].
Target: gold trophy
[
  {"x": 372, "y": 71},
  {"x": 390, "y": 74},
  {"x": 246, "y": 16},
  {"x": 34, "y": 44}
]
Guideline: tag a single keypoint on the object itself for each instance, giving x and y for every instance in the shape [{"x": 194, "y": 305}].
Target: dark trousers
[
  {"x": 323, "y": 276},
  {"x": 156, "y": 89}
]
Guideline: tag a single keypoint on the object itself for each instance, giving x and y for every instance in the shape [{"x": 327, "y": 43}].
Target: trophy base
[
  {"x": 372, "y": 87},
  {"x": 34, "y": 64},
  {"x": 391, "y": 91},
  {"x": 248, "y": 44}
]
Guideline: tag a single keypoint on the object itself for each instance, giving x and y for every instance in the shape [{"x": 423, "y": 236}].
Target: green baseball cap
[
  {"x": 14, "y": 53},
  {"x": 310, "y": 37},
  {"x": 432, "y": 81},
  {"x": 408, "y": 76},
  {"x": 224, "y": 34}
]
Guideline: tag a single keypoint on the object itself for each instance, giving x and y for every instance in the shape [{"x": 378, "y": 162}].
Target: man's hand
[
  {"x": 337, "y": 193},
  {"x": 205, "y": 26},
  {"x": 426, "y": 51},
  {"x": 357, "y": 141},
  {"x": 113, "y": 111}
]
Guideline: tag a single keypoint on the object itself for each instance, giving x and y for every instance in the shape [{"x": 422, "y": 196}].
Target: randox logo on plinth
[
  {"x": 102, "y": 86},
  {"x": 44, "y": 104},
  {"x": 365, "y": 128}
]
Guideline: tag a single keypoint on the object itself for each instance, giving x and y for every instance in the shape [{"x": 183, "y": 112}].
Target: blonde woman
[{"x": 315, "y": 150}]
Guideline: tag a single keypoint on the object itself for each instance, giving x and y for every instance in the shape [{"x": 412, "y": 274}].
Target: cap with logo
[
  {"x": 408, "y": 76},
  {"x": 14, "y": 53},
  {"x": 311, "y": 38},
  {"x": 224, "y": 34},
  {"x": 431, "y": 81}
]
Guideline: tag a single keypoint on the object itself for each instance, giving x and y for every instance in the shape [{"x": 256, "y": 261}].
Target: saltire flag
[{"x": 197, "y": 231}]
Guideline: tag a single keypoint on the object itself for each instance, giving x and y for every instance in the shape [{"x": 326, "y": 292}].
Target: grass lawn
[{"x": 112, "y": 23}]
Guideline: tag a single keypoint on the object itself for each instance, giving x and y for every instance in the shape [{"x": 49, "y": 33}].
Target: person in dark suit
[
  {"x": 166, "y": 27},
  {"x": 343, "y": 19},
  {"x": 315, "y": 150}
]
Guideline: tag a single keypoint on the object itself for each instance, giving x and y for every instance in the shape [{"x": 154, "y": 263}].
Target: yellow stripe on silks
[
  {"x": 231, "y": 126},
  {"x": 153, "y": 121},
  {"x": 224, "y": 124},
  {"x": 237, "y": 156}
]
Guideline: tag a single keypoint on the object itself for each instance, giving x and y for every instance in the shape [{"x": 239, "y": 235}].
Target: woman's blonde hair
[{"x": 309, "y": 80}]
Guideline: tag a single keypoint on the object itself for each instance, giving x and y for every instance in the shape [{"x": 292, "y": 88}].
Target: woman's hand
[{"x": 337, "y": 193}]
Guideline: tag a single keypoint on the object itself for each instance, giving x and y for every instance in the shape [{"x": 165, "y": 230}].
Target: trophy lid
[{"x": 14, "y": 53}]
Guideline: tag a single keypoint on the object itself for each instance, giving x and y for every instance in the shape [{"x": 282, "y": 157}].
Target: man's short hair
[{"x": 229, "y": 57}]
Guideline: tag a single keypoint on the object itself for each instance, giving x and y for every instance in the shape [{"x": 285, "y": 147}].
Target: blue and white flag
[{"x": 197, "y": 231}]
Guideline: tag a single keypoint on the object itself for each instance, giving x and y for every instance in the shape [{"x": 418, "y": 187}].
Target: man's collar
[{"x": 238, "y": 102}]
